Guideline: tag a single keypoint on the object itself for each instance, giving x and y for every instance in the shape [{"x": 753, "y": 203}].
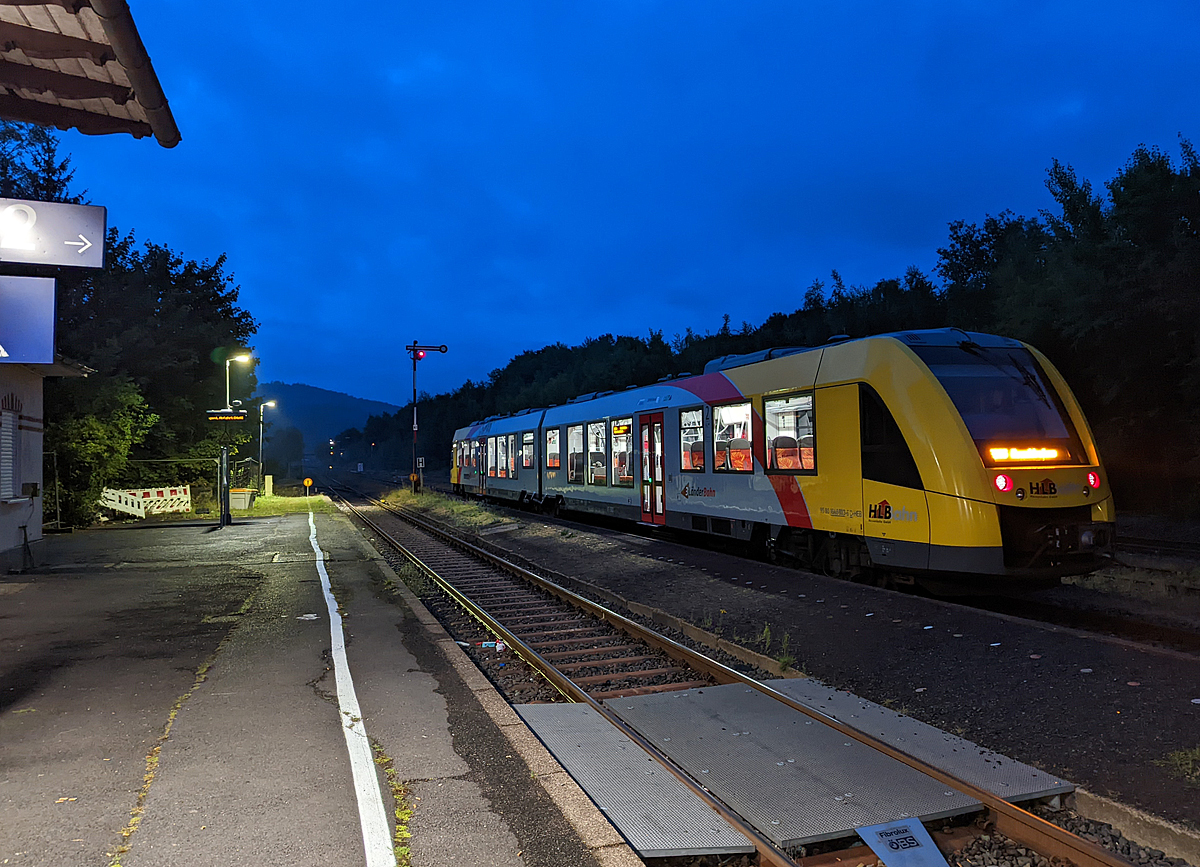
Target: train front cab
[{"x": 975, "y": 460}]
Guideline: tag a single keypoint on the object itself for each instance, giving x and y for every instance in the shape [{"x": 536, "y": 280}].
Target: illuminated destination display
[{"x": 1008, "y": 454}]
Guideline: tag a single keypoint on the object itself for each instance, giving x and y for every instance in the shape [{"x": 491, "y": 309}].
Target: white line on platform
[{"x": 377, "y": 835}]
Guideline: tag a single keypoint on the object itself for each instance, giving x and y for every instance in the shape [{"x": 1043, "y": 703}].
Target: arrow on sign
[{"x": 83, "y": 244}]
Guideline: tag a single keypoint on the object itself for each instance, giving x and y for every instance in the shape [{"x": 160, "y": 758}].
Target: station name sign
[
  {"x": 226, "y": 415},
  {"x": 51, "y": 233}
]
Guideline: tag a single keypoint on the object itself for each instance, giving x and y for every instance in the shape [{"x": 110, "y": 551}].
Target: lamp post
[
  {"x": 240, "y": 358},
  {"x": 261, "y": 409}
]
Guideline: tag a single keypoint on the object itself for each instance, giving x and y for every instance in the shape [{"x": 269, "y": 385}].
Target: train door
[
  {"x": 653, "y": 491},
  {"x": 480, "y": 447}
]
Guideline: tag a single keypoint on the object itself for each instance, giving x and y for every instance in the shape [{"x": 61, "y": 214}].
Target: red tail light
[
  {"x": 1004, "y": 484},
  {"x": 1094, "y": 479}
]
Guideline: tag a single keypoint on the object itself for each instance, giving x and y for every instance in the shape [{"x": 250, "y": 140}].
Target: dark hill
[{"x": 319, "y": 414}]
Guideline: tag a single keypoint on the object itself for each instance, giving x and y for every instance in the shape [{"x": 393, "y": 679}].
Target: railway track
[{"x": 589, "y": 653}]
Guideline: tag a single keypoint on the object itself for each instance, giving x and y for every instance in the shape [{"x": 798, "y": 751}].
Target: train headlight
[
  {"x": 1004, "y": 483},
  {"x": 1094, "y": 480}
]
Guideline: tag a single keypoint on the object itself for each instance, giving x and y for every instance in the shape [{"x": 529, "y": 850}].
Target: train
[{"x": 944, "y": 457}]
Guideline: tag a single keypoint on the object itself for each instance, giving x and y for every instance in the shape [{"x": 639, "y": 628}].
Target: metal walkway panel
[
  {"x": 653, "y": 810},
  {"x": 795, "y": 780},
  {"x": 989, "y": 770}
]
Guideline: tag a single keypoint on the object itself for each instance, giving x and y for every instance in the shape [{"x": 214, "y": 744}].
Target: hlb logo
[
  {"x": 883, "y": 511},
  {"x": 1044, "y": 488}
]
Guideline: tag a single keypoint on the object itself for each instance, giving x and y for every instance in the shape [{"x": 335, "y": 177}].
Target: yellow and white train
[{"x": 950, "y": 457}]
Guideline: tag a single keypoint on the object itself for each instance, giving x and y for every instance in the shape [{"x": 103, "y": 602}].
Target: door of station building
[{"x": 653, "y": 490}]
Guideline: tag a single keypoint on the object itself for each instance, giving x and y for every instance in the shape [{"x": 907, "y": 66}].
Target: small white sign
[
  {"x": 420, "y": 463},
  {"x": 903, "y": 843}
]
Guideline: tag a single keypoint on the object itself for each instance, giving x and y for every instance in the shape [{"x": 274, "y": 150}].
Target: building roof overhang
[{"x": 80, "y": 64}]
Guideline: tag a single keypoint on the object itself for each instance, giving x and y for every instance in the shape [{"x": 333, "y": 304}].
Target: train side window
[
  {"x": 553, "y": 456},
  {"x": 621, "y": 460},
  {"x": 733, "y": 439},
  {"x": 527, "y": 450},
  {"x": 691, "y": 440},
  {"x": 597, "y": 454},
  {"x": 576, "y": 459},
  {"x": 491, "y": 447},
  {"x": 788, "y": 423},
  {"x": 886, "y": 456},
  {"x": 512, "y": 456},
  {"x": 502, "y": 457}
]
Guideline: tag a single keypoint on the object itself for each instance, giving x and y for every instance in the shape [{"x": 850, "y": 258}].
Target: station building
[{"x": 70, "y": 66}]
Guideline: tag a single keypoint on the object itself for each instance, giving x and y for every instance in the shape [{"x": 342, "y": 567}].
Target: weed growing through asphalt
[
  {"x": 403, "y": 808},
  {"x": 1184, "y": 764},
  {"x": 764, "y": 638}
]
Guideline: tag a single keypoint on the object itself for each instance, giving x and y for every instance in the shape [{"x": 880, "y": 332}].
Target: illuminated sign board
[
  {"x": 1035, "y": 454},
  {"x": 27, "y": 320},
  {"x": 226, "y": 415},
  {"x": 50, "y": 233}
]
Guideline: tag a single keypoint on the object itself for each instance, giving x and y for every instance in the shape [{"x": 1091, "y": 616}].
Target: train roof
[{"x": 921, "y": 337}]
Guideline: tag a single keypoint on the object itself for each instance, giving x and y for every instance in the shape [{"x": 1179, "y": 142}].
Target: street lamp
[
  {"x": 240, "y": 358},
  {"x": 261, "y": 409}
]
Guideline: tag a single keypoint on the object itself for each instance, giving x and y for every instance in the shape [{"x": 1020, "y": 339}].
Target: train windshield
[{"x": 1009, "y": 406}]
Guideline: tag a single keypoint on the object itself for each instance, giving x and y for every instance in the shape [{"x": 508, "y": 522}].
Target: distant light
[
  {"x": 1003, "y": 483},
  {"x": 1008, "y": 454},
  {"x": 1094, "y": 479}
]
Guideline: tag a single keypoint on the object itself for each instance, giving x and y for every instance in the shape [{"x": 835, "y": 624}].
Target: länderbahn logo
[
  {"x": 884, "y": 511},
  {"x": 690, "y": 490}
]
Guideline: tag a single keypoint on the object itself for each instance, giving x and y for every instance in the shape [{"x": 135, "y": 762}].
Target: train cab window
[
  {"x": 553, "y": 459},
  {"x": 576, "y": 459},
  {"x": 491, "y": 457},
  {"x": 788, "y": 423},
  {"x": 527, "y": 450},
  {"x": 732, "y": 439},
  {"x": 502, "y": 457},
  {"x": 622, "y": 452},
  {"x": 691, "y": 440},
  {"x": 597, "y": 454},
  {"x": 885, "y": 454}
]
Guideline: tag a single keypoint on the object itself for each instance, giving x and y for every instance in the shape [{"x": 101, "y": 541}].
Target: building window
[
  {"x": 691, "y": 440},
  {"x": 622, "y": 452},
  {"x": 576, "y": 459},
  {"x": 732, "y": 439},
  {"x": 789, "y": 429},
  {"x": 10, "y": 458}
]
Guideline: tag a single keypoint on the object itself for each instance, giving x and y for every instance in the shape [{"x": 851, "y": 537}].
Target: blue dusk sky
[{"x": 497, "y": 176}]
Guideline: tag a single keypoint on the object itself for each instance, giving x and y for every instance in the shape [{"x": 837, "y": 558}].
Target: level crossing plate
[
  {"x": 995, "y": 772},
  {"x": 654, "y": 811},
  {"x": 796, "y": 780}
]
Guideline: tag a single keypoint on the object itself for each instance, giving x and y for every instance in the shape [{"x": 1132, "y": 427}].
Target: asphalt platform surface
[{"x": 220, "y": 639}]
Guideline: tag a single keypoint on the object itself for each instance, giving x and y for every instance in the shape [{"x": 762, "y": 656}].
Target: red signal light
[
  {"x": 420, "y": 354},
  {"x": 1094, "y": 480},
  {"x": 1004, "y": 484}
]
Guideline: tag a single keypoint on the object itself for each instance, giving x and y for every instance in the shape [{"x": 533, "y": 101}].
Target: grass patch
[
  {"x": 277, "y": 505},
  {"x": 1184, "y": 764},
  {"x": 466, "y": 515}
]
